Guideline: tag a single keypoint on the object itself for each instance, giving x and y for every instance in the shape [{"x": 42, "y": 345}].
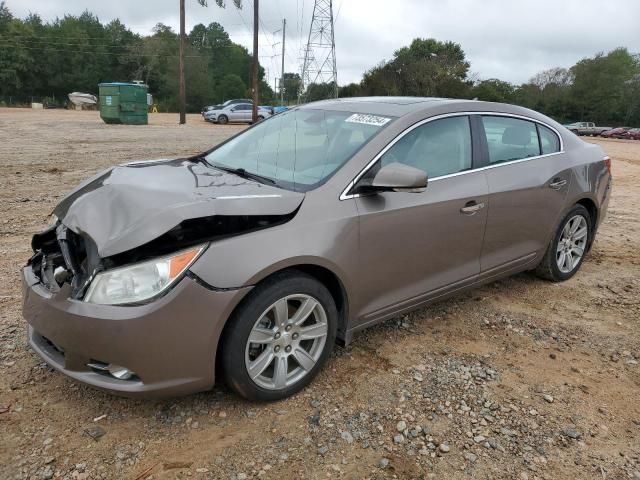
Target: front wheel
[
  {"x": 279, "y": 338},
  {"x": 568, "y": 247},
  {"x": 223, "y": 120}
]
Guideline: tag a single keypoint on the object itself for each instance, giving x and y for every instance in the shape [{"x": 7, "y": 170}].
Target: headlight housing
[{"x": 140, "y": 281}]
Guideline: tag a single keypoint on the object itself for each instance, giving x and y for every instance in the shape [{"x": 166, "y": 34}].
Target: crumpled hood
[{"x": 129, "y": 205}]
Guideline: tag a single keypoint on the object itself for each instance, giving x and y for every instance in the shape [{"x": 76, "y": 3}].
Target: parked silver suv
[{"x": 256, "y": 256}]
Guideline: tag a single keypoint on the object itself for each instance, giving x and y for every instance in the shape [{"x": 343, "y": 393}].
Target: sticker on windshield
[{"x": 368, "y": 119}]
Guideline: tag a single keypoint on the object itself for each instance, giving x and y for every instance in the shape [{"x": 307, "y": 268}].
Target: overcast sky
[{"x": 507, "y": 39}]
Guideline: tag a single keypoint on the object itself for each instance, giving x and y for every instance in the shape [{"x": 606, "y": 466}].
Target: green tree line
[
  {"x": 48, "y": 60},
  {"x": 604, "y": 89},
  {"x": 51, "y": 59}
]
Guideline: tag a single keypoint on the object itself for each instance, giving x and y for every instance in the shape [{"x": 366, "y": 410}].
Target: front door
[{"x": 416, "y": 246}]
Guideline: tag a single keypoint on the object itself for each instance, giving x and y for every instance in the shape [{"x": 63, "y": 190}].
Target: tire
[
  {"x": 223, "y": 119},
  {"x": 556, "y": 267},
  {"x": 258, "y": 317},
  {"x": 260, "y": 118}
]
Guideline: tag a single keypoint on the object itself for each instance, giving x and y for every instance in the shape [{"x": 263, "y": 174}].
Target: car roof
[
  {"x": 394, "y": 106},
  {"x": 402, "y": 106}
]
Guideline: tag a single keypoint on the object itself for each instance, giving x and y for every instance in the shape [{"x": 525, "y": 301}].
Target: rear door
[
  {"x": 236, "y": 113},
  {"x": 528, "y": 184},
  {"x": 247, "y": 112},
  {"x": 415, "y": 246}
]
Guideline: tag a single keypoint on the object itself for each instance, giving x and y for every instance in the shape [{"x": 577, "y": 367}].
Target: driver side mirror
[{"x": 397, "y": 177}]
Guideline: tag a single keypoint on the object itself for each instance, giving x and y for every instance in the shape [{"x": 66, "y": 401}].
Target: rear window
[
  {"x": 549, "y": 140},
  {"x": 299, "y": 149},
  {"x": 510, "y": 139}
]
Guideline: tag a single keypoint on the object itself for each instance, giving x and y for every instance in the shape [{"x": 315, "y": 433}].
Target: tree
[
  {"x": 292, "y": 83},
  {"x": 320, "y": 91},
  {"x": 427, "y": 67},
  {"x": 598, "y": 93},
  {"x": 15, "y": 57},
  {"x": 560, "y": 77},
  {"x": 351, "y": 90},
  {"x": 77, "y": 52},
  {"x": 493, "y": 90},
  {"x": 232, "y": 86},
  {"x": 183, "y": 95}
]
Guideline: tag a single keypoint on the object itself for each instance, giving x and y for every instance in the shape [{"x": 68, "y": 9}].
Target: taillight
[{"x": 607, "y": 163}]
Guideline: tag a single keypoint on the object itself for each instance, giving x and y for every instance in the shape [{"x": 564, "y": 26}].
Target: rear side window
[
  {"x": 549, "y": 140},
  {"x": 441, "y": 147},
  {"x": 510, "y": 139}
]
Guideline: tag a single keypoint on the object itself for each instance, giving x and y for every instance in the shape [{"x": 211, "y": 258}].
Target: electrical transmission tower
[{"x": 320, "y": 53}]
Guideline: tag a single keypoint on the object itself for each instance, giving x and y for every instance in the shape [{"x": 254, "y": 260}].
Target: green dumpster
[{"x": 124, "y": 103}]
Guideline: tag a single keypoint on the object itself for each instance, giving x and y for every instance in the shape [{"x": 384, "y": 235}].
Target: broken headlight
[{"x": 140, "y": 281}]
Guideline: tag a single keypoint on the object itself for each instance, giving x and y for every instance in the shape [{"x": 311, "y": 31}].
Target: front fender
[{"x": 247, "y": 259}]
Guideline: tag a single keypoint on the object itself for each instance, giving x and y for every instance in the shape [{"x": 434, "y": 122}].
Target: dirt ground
[{"x": 519, "y": 379}]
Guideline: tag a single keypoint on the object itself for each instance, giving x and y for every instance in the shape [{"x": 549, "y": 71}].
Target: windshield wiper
[{"x": 241, "y": 172}]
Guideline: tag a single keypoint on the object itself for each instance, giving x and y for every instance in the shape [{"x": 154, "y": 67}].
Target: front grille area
[
  {"x": 52, "y": 345},
  {"x": 59, "y": 257},
  {"x": 52, "y": 351}
]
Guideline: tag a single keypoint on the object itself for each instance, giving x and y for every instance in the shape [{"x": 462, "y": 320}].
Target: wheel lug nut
[
  {"x": 288, "y": 328},
  {"x": 295, "y": 336},
  {"x": 277, "y": 335},
  {"x": 288, "y": 349},
  {"x": 276, "y": 348}
]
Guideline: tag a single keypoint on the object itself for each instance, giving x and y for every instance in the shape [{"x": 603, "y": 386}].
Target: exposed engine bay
[{"x": 62, "y": 256}]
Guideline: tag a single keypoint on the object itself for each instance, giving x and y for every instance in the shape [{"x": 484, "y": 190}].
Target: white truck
[{"x": 586, "y": 128}]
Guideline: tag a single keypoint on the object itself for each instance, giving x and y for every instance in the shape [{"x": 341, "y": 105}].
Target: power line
[
  {"x": 124, "y": 54},
  {"x": 338, "y": 13}
]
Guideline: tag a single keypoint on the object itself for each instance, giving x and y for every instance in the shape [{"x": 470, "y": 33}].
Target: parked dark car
[
  {"x": 253, "y": 258},
  {"x": 634, "y": 134},
  {"x": 209, "y": 109},
  {"x": 620, "y": 132}
]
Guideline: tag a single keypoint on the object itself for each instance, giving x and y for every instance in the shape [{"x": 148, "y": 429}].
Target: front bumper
[{"x": 170, "y": 343}]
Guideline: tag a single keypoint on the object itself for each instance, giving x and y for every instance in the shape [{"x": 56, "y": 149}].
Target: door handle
[
  {"x": 471, "y": 208},
  {"x": 557, "y": 183}
]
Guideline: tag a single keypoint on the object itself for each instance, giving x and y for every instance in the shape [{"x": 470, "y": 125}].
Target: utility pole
[
  {"x": 183, "y": 93},
  {"x": 284, "y": 38},
  {"x": 256, "y": 7}
]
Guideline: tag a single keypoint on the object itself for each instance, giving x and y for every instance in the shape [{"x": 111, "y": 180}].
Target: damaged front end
[
  {"x": 62, "y": 256},
  {"x": 65, "y": 257},
  {"x": 147, "y": 212}
]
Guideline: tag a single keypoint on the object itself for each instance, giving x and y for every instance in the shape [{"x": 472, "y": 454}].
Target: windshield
[{"x": 300, "y": 149}]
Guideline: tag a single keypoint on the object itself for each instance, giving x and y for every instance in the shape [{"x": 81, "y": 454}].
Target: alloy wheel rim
[
  {"x": 286, "y": 342},
  {"x": 572, "y": 244}
]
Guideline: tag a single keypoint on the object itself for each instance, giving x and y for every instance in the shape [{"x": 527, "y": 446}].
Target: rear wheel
[
  {"x": 223, "y": 119},
  {"x": 280, "y": 338},
  {"x": 567, "y": 250}
]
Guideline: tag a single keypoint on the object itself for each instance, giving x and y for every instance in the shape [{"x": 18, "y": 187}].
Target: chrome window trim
[{"x": 345, "y": 193}]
